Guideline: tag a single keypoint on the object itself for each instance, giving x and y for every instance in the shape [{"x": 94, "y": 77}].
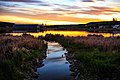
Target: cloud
[
  {"x": 91, "y": 0},
  {"x": 3, "y": 4},
  {"x": 99, "y": 10},
  {"x": 26, "y": 8},
  {"x": 22, "y": 0},
  {"x": 59, "y": 9},
  {"x": 67, "y": 7},
  {"x": 87, "y": 0},
  {"x": 44, "y": 4}
]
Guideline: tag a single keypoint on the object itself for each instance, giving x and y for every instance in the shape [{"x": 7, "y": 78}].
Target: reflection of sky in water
[
  {"x": 55, "y": 67},
  {"x": 67, "y": 33},
  {"x": 56, "y": 49},
  {"x": 56, "y": 54}
]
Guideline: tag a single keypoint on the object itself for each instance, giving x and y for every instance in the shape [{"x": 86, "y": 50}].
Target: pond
[
  {"x": 67, "y": 33},
  {"x": 56, "y": 67}
]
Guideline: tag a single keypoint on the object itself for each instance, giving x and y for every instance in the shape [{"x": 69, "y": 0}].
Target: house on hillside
[
  {"x": 102, "y": 26},
  {"x": 28, "y": 27},
  {"x": 116, "y": 26}
]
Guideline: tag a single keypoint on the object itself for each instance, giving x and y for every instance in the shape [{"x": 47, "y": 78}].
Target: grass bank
[{"x": 19, "y": 56}]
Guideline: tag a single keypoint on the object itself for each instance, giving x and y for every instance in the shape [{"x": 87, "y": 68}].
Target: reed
[
  {"x": 106, "y": 44},
  {"x": 17, "y": 56}
]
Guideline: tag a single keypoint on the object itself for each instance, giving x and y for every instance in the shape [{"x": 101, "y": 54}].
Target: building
[{"x": 116, "y": 26}]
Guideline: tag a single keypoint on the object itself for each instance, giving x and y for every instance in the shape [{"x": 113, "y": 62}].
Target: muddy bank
[
  {"x": 73, "y": 65},
  {"x": 37, "y": 62}
]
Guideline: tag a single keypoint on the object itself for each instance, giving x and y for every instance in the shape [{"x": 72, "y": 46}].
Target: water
[
  {"x": 67, "y": 33},
  {"x": 56, "y": 67}
]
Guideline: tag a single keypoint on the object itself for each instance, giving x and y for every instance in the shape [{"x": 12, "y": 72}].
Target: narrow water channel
[{"x": 56, "y": 67}]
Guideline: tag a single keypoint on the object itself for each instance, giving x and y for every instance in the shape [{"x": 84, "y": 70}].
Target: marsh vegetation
[
  {"x": 97, "y": 57},
  {"x": 19, "y": 56}
]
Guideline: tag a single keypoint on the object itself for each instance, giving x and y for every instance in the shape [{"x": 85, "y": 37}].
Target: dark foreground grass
[{"x": 18, "y": 57}]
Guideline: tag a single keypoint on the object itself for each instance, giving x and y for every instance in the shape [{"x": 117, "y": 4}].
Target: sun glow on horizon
[{"x": 20, "y": 20}]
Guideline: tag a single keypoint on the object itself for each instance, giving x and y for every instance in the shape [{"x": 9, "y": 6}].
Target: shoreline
[
  {"x": 73, "y": 65},
  {"x": 37, "y": 62}
]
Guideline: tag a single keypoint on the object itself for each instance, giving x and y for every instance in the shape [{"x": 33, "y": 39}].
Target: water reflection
[
  {"x": 67, "y": 33},
  {"x": 55, "y": 67}
]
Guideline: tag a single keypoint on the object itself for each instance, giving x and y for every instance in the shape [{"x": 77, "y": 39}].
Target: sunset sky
[{"x": 58, "y": 11}]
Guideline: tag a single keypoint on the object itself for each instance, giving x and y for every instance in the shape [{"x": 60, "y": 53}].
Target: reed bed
[
  {"x": 19, "y": 56},
  {"x": 9, "y": 45},
  {"x": 106, "y": 44}
]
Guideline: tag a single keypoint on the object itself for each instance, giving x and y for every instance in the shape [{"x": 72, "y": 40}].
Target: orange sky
[{"x": 59, "y": 11}]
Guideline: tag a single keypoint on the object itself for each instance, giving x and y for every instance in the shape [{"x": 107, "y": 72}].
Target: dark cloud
[
  {"x": 5, "y": 11},
  {"x": 22, "y": 0},
  {"x": 96, "y": 11},
  {"x": 101, "y": 0},
  {"x": 27, "y": 2},
  {"x": 7, "y": 5},
  {"x": 99, "y": 10},
  {"x": 104, "y": 9},
  {"x": 91, "y": 0},
  {"x": 59, "y": 9},
  {"x": 88, "y": 0},
  {"x": 67, "y": 6},
  {"x": 42, "y": 4},
  {"x": 39, "y": 4},
  {"x": 72, "y": 7}
]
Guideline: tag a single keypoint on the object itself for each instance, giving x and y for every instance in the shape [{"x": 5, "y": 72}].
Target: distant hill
[
  {"x": 81, "y": 26},
  {"x": 28, "y": 27},
  {"x": 104, "y": 23},
  {"x": 5, "y": 27},
  {"x": 6, "y": 24},
  {"x": 65, "y": 27}
]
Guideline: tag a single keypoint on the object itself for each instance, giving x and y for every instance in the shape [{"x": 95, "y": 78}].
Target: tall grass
[
  {"x": 106, "y": 44},
  {"x": 17, "y": 54}
]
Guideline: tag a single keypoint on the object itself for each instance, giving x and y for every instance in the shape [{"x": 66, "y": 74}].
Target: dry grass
[
  {"x": 107, "y": 44},
  {"x": 9, "y": 45}
]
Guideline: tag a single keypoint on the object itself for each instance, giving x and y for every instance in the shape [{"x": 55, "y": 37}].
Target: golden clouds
[
  {"x": 54, "y": 12},
  {"x": 22, "y": 20}
]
